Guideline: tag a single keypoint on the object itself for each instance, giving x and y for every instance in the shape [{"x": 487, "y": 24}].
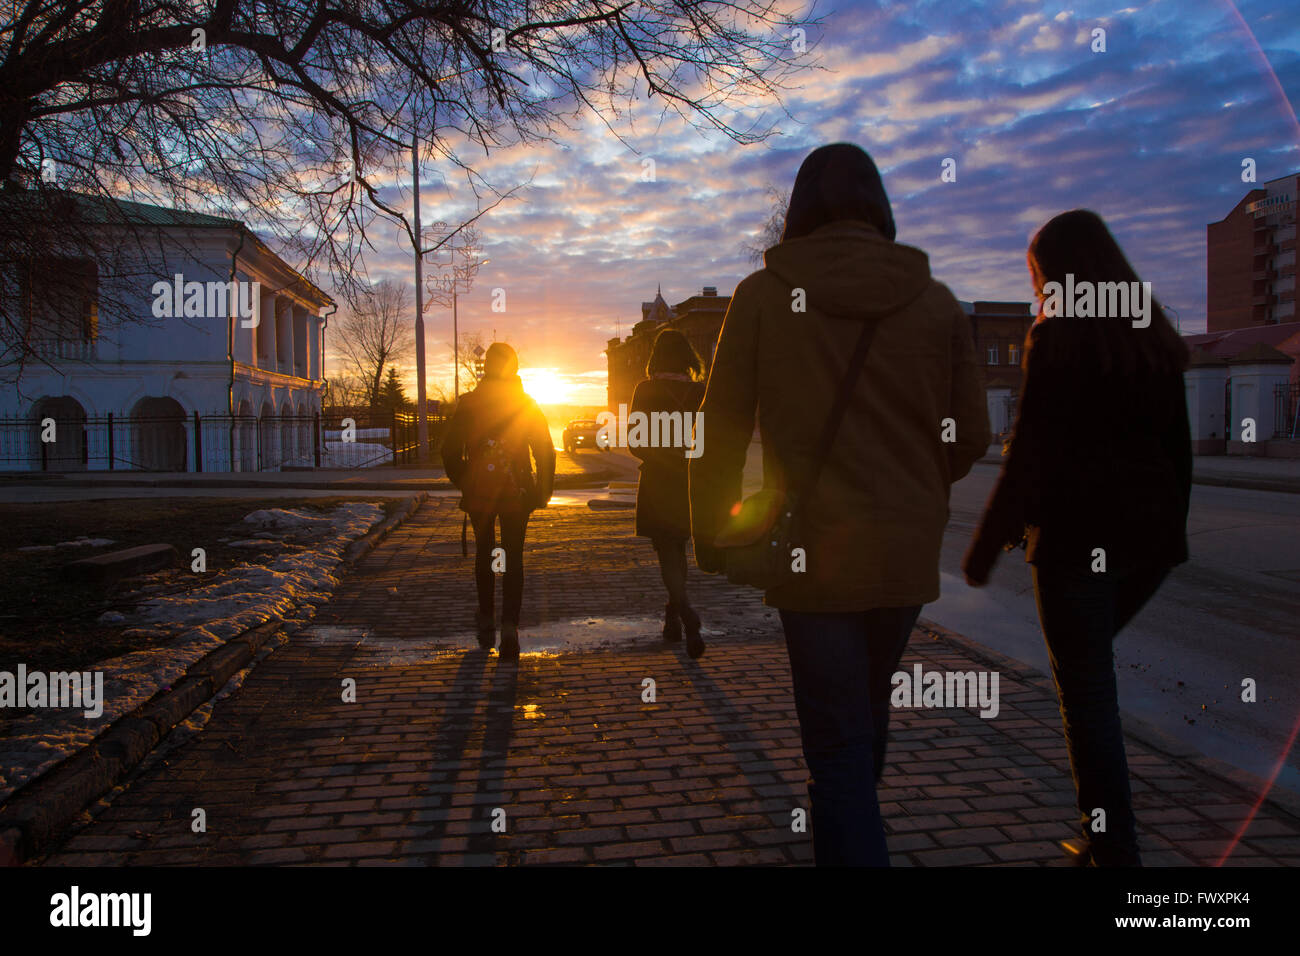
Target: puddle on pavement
[{"x": 543, "y": 640}]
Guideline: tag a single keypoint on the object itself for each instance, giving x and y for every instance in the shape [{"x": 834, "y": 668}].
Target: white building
[{"x": 208, "y": 355}]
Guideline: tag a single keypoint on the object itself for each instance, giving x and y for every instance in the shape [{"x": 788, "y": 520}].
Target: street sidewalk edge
[
  {"x": 1281, "y": 798},
  {"x": 38, "y": 812},
  {"x": 1245, "y": 483},
  {"x": 593, "y": 479},
  {"x": 361, "y": 547}
]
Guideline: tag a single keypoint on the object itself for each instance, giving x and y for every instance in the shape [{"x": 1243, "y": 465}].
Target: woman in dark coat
[
  {"x": 1096, "y": 484},
  {"x": 488, "y": 451},
  {"x": 663, "y": 510}
]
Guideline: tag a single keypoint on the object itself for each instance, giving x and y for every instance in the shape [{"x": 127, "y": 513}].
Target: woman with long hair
[
  {"x": 1095, "y": 485},
  {"x": 492, "y": 441},
  {"x": 843, "y": 318},
  {"x": 663, "y": 513}
]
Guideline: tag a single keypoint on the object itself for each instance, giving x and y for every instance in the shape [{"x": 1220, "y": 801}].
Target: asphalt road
[{"x": 1231, "y": 612}]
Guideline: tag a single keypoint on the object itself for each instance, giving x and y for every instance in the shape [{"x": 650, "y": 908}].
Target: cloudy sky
[{"x": 1151, "y": 134}]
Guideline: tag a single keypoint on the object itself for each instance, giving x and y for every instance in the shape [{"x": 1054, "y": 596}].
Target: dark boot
[
  {"x": 694, "y": 643},
  {"x": 672, "y": 624},
  {"x": 487, "y": 630},
  {"x": 509, "y": 649}
]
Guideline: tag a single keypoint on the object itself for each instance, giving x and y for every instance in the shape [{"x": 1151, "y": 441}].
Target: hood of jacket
[
  {"x": 849, "y": 270},
  {"x": 499, "y": 388}
]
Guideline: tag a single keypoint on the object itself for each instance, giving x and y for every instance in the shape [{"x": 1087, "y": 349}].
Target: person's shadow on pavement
[{"x": 458, "y": 706}]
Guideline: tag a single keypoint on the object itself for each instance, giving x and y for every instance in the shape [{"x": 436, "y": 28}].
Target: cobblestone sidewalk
[{"x": 449, "y": 757}]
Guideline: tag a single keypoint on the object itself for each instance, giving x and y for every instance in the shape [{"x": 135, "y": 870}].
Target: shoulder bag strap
[{"x": 856, "y": 364}]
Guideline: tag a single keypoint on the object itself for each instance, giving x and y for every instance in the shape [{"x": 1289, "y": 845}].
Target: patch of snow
[
  {"x": 353, "y": 454},
  {"x": 82, "y": 542},
  {"x": 193, "y": 623},
  {"x": 263, "y": 543}
]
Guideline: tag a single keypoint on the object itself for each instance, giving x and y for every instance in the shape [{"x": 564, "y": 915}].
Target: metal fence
[
  {"x": 1286, "y": 399},
  {"x": 64, "y": 442}
]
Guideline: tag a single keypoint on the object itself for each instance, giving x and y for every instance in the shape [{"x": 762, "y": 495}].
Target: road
[{"x": 1231, "y": 612}]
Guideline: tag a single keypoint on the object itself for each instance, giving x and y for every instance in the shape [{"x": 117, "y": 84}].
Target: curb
[
  {"x": 1280, "y": 798},
  {"x": 370, "y": 540},
  {"x": 593, "y": 479},
  {"x": 39, "y": 811},
  {"x": 1290, "y": 486},
  {"x": 1249, "y": 484}
]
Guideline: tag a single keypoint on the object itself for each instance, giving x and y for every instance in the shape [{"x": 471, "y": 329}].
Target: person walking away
[
  {"x": 663, "y": 514},
  {"x": 1096, "y": 484},
  {"x": 872, "y": 524},
  {"x": 491, "y": 444}
]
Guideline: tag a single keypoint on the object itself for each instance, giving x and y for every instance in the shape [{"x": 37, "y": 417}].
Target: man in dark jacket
[
  {"x": 488, "y": 452},
  {"x": 916, "y": 422}
]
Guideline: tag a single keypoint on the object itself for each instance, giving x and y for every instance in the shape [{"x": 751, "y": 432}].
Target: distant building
[
  {"x": 1227, "y": 345},
  {"x": 999, "y": 330},
  {"x": 699, "y": 318},
  {"x": 173, "y": 344},
  {"x": 1243, "y": 374},
  {"x": 1250, "y": 259}
]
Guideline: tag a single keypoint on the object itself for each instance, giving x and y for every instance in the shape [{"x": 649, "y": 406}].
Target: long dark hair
[
  {"x": 672, "y": 353},
  {"x": 836, "y": 182},
  {"x": 1079, "y": 243}
]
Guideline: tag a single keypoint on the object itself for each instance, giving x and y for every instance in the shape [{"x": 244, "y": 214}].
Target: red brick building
[
  {"x": 999, "y": 330},
  {"x": 1250, "y": 259},
  {"x": 698, "y": 317}
]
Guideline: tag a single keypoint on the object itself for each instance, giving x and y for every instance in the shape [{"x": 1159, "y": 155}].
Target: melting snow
[
  {"x": 74, "y": 543},
  {"x": 195, "y": 621}
]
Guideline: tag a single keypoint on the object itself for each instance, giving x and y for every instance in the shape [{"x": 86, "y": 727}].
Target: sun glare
[{"x": 546, "y": 386}]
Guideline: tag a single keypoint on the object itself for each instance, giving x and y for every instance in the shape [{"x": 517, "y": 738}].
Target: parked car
[{"x": 581, "y": 433}]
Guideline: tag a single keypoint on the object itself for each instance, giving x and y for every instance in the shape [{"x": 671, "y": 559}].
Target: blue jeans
[
  {"x": 840, "y": 664},
  {"x": 1080, "y": 613}
]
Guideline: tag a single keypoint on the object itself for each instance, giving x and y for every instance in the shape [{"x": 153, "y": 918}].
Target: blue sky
[{"x": 1150, "y": 134}]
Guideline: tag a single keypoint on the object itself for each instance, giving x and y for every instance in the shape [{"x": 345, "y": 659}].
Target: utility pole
[
  {"x": 422, "y": 419},
  {"x": 460, "y": 268}
]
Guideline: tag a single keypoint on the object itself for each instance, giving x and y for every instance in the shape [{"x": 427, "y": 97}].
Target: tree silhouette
[
  {"x": 295, "y": 116},
  {"x": 392, "y": 397}
]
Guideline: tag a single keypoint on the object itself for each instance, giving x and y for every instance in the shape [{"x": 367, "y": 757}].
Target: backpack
[{"x": 493, "y": 481}]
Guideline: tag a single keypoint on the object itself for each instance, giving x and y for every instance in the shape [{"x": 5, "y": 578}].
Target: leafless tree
[
  {"x": 470, "y": 345},
  {"x": 296, "y": 116},
  {"x": 770, "y": 234},
  {"x": 347, "y": 391},
  {"x": 375, "y": 333}
]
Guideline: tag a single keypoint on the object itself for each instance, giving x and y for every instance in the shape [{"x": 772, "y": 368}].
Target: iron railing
[
  {"x": 1286, "y": 398},
  {"x": 217, "y": 442}
]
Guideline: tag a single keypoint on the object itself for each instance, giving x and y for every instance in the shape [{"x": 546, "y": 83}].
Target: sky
[{"x": 1151, "y": 134}]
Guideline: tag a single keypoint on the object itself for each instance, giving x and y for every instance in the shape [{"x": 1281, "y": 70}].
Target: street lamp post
[
  {"x": 444, "y": 287},
  {"x": 421, "y": 416}
]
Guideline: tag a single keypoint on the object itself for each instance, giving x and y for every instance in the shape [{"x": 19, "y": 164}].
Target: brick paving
[{"x": 565, "y": 754}]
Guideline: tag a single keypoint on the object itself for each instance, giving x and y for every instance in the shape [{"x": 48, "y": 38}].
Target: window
[
  {"x": 61, "y": 300},
  {"x": 1013, "y": 354},
  {"x": 993, "y": 355}
]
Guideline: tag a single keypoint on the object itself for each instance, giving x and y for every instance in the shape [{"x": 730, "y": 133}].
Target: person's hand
[
  {"x": 976, "y": 565},
  {"x": 709, "y": 559}
]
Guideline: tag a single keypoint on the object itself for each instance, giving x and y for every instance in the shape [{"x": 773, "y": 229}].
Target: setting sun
[{"x": 546, "y": 386}]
